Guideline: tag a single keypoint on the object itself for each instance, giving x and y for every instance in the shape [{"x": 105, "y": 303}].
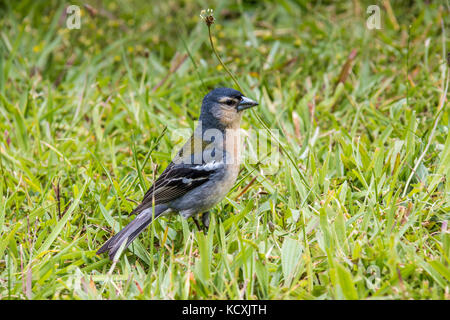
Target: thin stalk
[
  {"x": 221, "y": 62},
  {"x": 257, "y": 117}
]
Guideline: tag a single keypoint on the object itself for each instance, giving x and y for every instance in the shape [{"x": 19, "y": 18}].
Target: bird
[{"x": 201, "y": 173}]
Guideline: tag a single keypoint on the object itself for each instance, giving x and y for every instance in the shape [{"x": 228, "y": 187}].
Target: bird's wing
[{"x": 176, "y": 181}]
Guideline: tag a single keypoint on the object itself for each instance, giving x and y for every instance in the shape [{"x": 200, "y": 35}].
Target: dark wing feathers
[{"x": 173, "y": 183}]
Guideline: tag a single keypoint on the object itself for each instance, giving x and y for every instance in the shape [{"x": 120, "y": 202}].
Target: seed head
[{"x": 207, "y": 16}]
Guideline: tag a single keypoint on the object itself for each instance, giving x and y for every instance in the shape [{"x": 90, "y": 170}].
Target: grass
[{"x": 90, "y": 117}]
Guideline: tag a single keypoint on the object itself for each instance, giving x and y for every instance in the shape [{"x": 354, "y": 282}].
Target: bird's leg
[
  {"x": 205, "y": 220},
  {"x": 196, "y": 223}
]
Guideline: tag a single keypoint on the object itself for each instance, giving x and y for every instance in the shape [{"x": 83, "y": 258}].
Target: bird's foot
[
  {"x": 205, "y": 221},
  {"x": 196, "y": 223}
]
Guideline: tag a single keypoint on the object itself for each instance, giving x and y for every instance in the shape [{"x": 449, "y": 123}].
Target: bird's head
[{"x": 224, "y": 107}]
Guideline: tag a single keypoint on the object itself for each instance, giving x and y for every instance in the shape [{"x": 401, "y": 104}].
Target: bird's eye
[{"x": 229, "y": 102}]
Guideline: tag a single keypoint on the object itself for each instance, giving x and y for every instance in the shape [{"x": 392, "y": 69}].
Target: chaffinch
[{"x": 201, "y": 173}]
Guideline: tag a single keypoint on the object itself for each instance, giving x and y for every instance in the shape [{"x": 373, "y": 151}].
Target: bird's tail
[{"x": 132, "y": 230}]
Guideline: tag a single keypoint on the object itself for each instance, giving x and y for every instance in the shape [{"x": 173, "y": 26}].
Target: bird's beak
[{"x": 246, "y": 103}]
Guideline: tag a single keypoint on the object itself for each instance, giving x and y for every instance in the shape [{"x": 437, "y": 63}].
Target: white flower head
[
  {"x": 205, "y": 13},
  {"x": 207, "y": 16}
]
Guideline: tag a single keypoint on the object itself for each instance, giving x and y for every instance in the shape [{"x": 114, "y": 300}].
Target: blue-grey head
[{"x": 222, "y": 107}]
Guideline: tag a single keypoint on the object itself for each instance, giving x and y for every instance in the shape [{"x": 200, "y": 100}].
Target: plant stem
[
  {"x": 261, "y": 121},
  {"x": 221, "y": 62}
]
